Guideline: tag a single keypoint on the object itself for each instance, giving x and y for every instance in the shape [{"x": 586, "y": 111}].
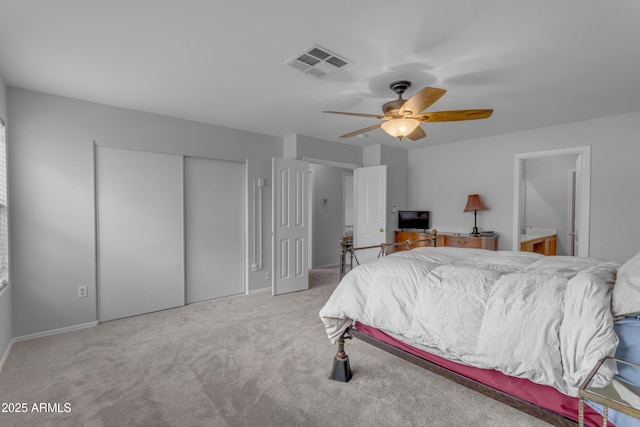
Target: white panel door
[
  {"x": 214, "y": 238},
  {"x": 290, "y": 226},
  {"x": 139, "y": 210},
  {"x": 370, "y": 210}
]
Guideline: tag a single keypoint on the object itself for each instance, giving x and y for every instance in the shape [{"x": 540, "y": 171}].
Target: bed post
[{"x": 341, "y": 368}]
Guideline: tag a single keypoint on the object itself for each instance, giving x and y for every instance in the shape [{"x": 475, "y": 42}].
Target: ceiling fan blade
[
  {"x": 417, "y": 134},
  {"x": 422, "y": 100},
  {"x": 453, "y": 115},
  {"x": 375, "y": 116},
  {"x": 358, "y": 132}
]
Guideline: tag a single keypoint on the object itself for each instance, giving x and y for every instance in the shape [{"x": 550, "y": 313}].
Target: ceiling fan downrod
[{"x": 400, "y": 87}]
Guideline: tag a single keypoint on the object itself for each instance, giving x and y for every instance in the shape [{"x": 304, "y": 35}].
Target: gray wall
[
  {"x": 301, "y": 147},
  {"x": 52, "y": 181},
  {"x": 443, "y": 175},
  {"x": 6, "y": 332}
]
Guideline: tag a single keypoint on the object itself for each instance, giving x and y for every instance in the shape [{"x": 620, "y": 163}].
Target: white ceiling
[{"x": 536, "y": 63}]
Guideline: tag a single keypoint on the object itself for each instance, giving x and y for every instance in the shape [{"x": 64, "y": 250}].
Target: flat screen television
[{"x": 413, "y": 220}]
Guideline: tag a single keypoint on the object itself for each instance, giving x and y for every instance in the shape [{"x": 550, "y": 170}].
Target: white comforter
[{"x": 542, "y": 318}]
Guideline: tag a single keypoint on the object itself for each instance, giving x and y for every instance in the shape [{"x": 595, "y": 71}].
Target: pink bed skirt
[{"x": 541, "y": 395}]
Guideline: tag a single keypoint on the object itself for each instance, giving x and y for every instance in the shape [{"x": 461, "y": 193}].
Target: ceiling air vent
[{"x": 318, "y": 62}]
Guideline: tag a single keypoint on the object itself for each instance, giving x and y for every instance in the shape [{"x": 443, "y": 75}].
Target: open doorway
[
  {"x": 331, "y": 202},
  {"x": 546, "y": 200},
  {"x": 543, "y": 202}
]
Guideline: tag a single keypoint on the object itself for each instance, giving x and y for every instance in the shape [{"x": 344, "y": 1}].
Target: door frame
[
  {"x": 345, "y": 177},
  {"x": 571, "y": 217},
  {"x": 583, "y": 175}
]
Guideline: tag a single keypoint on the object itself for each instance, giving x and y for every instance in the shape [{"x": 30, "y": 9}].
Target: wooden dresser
[
  {"x": 403, "y": 236},
  {"x": 467, "y": 241},
  {"x": 448, "y": 239}
]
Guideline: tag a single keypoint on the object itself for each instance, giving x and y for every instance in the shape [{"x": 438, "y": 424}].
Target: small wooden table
[{"x": 619, "y": 395}]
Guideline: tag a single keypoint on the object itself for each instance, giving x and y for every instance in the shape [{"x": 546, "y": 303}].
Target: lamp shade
[
  {"x": 474, "y": 203},
  {"x": 400, "y": 128}
]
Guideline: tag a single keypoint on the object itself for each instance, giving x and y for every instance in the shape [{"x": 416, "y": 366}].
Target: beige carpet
[{"x": 253, "y": 360}]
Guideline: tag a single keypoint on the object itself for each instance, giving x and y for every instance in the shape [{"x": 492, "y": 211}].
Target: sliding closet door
[
  {"x": 140, "y": 232},
  {"x": 214, "y": 218}
]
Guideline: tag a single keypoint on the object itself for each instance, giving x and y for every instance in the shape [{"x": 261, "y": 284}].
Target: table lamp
[{"x": 474, "y": 204}]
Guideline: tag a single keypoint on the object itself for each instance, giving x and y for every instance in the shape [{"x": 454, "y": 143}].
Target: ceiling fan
[{"x": 402, "y": 117}]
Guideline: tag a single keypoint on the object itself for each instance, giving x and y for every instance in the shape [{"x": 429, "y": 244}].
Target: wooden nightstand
[{"x": 618, "y": 395}]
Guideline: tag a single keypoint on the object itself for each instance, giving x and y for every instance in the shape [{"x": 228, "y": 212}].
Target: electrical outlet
[
  {"x": 267, "y": 275},
  {"x": 82, "y": 291}
]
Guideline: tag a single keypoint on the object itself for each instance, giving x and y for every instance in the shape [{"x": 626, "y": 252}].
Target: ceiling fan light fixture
[
  {"x": 402, "y": 117},
  {"x": 399, "y": 128}
]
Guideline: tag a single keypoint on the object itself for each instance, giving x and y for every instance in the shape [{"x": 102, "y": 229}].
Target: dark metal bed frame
[
  {"x": 342, "y": 370},
  {"x": 346, "y": 247},
  {"x": 539, "y": 412}
]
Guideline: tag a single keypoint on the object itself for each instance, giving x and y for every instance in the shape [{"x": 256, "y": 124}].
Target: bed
[{"x": 521, "y": 327}]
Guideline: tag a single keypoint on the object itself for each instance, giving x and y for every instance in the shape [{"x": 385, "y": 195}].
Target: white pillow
[{"x": 626, "y": 292}]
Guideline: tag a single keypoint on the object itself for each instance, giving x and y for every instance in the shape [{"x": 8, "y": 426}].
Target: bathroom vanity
[{"x": 539, "y": 240}]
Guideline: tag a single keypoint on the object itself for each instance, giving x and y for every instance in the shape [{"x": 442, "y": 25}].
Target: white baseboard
[
  {"x": 5, "y": 356},
  {"x": 327, "y": 266},
  {"x": 54, "y": 332}
]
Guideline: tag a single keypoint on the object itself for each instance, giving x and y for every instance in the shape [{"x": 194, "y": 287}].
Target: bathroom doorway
[{"x": 546, "y": 205}]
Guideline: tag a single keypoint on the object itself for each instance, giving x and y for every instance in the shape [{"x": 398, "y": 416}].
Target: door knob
[{"x": 381, "y": 230}]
